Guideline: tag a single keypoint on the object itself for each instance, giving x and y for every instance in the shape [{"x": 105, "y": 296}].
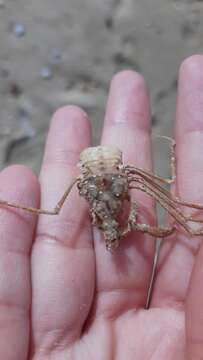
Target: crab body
[{"x": 104, "y": 184}]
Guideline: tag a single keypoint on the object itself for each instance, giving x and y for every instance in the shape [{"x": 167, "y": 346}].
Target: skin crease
[{"x": 62, "y": 295}]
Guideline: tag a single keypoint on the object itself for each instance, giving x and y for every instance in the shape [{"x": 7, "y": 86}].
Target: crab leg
[
  {"x": 55, "y": 211},
  {"x": 155, "y": 231},
  {"x": 149, "y": 178},
  {"x": 161, "y": 179},
  {"x": 167, "y": 204}
]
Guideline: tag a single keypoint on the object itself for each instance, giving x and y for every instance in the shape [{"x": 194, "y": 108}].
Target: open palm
[{"x": 62, "y": 295}]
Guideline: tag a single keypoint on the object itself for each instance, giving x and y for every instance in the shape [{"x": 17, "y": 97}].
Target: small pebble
[
  {"x": 56, "y": 56},
  {"x": 23, "y": 113},
  {"x": 19, "y": 30},
  {"x": 15, "y": 89},
  {"x": 28, "y": 129},
  {"x": 46, "y": 72}
]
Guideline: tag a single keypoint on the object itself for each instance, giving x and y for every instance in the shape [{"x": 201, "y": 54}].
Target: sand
[{"x": 56, "y": 53}]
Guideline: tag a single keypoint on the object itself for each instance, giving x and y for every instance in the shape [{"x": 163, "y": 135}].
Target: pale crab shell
[{"x": 100, "y": 159}]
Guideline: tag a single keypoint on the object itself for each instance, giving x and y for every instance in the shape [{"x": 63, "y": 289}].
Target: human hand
[{"x": 62, "y": 295}]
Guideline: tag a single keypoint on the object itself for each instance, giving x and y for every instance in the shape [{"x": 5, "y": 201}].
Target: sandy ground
[{"x": 56, "y": 53}]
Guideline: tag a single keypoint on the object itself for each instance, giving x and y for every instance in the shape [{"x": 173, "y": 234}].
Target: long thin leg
[
  {"x": 172, "y": 155},
  {"x": 138, "y": 171},
  {"x": 173, "y": 171},
  {"x": 132, "y": 218},
  {"x": 153, "y": 275},
  {"x": 155, "y": 231},
  {"x": 132, "y": 169},
  {"x": 163, "y": 200},
  {"x": 55, "y": 211},
  {"x": 173, "y": 160},
  {"x": 158, "y": 232},
  {"x": 143, "y": 176},
  {"x": 170, "y": 207}
]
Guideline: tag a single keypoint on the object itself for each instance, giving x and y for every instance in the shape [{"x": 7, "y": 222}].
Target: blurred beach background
[{"x": 54, "y": 53}]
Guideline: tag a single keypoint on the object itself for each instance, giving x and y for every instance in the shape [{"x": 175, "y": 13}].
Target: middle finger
[{"x": 123, "y": 276}]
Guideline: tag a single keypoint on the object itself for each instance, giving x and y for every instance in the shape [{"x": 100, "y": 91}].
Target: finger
[
  {"x": 16, "y": 234},
  {"x": 62, "y": 259},
  {"x": 194, "y": 312},
  {"x": 123, "y": 276},
  {"x": 179, "y": 252}
]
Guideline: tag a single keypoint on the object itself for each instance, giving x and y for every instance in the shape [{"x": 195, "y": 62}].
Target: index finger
[
  {"x": 127, "y": 126},
  {"x": 62, "y": 257}
]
